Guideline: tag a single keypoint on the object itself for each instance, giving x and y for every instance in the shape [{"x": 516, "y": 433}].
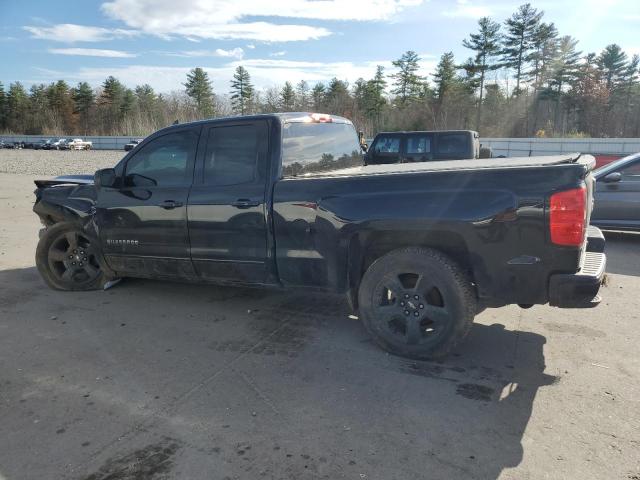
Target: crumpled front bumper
[{"x": 580, "y": 289}]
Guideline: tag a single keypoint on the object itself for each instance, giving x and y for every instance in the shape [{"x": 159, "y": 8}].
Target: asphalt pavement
[{"x": 153, "y": 380}]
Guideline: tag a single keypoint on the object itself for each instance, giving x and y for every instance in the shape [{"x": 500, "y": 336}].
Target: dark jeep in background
[
  {"x": 425, "y": 146},
  {"x": 284, "y": 200}
]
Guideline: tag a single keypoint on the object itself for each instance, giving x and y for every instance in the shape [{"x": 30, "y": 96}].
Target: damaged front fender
[{"x": 69, "y": 199}]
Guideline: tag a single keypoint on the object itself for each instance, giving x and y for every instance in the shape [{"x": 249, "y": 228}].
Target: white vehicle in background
[{"x": 79, "y": 144}]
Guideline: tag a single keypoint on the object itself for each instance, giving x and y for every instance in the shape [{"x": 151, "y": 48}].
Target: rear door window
[
  {"x": 231, "y": 156},
  {"x": 419, "y": 144},
  {"x": 453, "y": 146}
]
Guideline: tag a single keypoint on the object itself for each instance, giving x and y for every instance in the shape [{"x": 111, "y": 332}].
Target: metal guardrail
[
  {"x": 525, "y": 147},
  {"x": 510, "y": 147}
]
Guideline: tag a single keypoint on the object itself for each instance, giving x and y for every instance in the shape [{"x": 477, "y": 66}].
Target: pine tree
[
  {"x": 198, "y": 87},
  {"x": 38, "y": 109},
  {"x": 408, "y": 84},
  {"x": 241, "y": 91},
  {"x": 287, "y": 98},
  {"x": 360, "y": 93},
  {"x": 486, "y": 44},
  {"x": 83, "y": 99},
  {"x": 519, "y": 40},
  {"x": 337, "y": 97},
  {"x": 3, "y": 108},
  {"x": 612, "y": 63},
  {"x": 61, "y": 105},
  {"x": 544, "y": 45},
  {"x": 444, "y": 76},
  {"x": 302, "y": 96},
  {"x": 318, "y": 97},
  {"x": 110, "y": 103},
  {"x": 375, "y": 100},
  {"x": 128, "y": 102},
  {"x": 564, "y": 66},
  {"x": 17, "y": 108},
  {"x": 146, "y": 98}
]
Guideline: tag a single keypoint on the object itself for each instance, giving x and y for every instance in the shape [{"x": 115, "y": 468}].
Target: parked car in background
[
  {"x": 63, "y": 144},
  {"x": 48, "y": 145},
  {"x": 132, "y": 144},
  {"x": 27, "y": 144},
  {"x": 617, "y": 195},
  {"x": 409, "y": 147},
  {"x": 56, "y": 144},
  {"x": 79, "y": 144}
]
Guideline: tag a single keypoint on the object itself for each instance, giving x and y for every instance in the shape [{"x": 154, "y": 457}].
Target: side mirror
[
  {"x": 105, "y": 178},
  {"x": 612, "y": 177}
]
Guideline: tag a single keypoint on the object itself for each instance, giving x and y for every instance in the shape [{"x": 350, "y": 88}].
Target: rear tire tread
[{"x": 460, "y": 282}]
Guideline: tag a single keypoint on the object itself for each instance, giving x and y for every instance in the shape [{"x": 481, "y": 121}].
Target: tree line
[{"x": 522, "y": 79}]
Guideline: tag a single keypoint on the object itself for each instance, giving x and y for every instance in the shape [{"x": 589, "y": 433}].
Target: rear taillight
[{"x": 568, "y": 216}]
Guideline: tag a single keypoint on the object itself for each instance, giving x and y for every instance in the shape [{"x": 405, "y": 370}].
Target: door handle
[
  {"x": 245, "y": 203},
  {"x": 169, "y": 204}
]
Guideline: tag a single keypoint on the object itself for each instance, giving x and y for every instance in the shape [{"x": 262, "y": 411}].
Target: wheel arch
[{"x": 365, "y": 248}]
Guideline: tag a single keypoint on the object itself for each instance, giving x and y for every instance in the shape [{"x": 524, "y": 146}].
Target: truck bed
[{"x": 471, "y": 164}]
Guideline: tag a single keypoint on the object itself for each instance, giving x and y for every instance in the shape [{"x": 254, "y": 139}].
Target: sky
[{"x": 159, "y": 41}]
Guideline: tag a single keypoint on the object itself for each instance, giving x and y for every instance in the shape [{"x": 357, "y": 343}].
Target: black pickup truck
[{"x": 284, "y": 200}]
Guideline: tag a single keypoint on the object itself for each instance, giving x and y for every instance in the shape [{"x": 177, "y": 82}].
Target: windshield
[{"x": 319, "y": 147}]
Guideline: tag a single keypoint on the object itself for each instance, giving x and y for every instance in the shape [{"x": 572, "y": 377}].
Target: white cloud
[
  {"x": 92, "y": 52},
  {"x": 281, "y": 53},
  {"x": 69, "y": 32},
  {"x": 237, "y": 53},
  {"x": 251, "y": 46},
  {"x": 465, "y": 9},
  {"x": 224, "y": 19},
  {"x": 234, "y": 52}
]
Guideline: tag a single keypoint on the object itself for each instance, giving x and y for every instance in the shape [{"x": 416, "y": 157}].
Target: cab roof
[{"x": 283, "y": 117}]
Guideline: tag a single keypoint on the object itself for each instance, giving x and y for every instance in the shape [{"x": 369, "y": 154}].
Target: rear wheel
[
  {"x": 67, "y": 259},
  {"x": 416, "y": 303}
]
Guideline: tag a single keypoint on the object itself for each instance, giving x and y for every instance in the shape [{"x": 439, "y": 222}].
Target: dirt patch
[
  {"x": 473, "y": 391},
  {"x": 152, "y": 462}
]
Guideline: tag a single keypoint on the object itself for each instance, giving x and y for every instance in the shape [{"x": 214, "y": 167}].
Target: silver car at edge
[{"x": 617, "y": 195}]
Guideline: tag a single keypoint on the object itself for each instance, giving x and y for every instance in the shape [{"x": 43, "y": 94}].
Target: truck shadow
[{"x": 462, "y": 417}]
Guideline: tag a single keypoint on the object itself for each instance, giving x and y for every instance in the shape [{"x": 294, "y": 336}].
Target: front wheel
[
  {"x": 416, "y": 303},
  {"x": 67, "y": 259}
]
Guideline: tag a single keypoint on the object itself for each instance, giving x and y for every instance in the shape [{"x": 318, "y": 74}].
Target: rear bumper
[{"x": 580, "y": 290}]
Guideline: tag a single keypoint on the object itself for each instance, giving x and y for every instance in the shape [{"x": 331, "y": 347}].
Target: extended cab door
[
  {"x": 143, "y": 221},
  {"x": 226, "y": 211}
]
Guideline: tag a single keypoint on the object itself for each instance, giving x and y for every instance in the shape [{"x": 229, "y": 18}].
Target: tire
[
  {"x": 67, "y": 258},
  {"x": 416, "y": 303}
]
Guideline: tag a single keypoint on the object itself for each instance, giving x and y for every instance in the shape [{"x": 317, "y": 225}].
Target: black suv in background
[{"x": 407, "y": 147}]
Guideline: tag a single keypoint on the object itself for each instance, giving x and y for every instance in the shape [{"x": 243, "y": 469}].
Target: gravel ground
[
  {"x": 54, "y": 162},
  {"x": 151, "y": 380}
]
